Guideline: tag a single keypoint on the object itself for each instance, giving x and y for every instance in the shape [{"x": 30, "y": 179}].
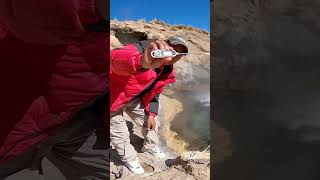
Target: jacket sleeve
[
  {"x": 42, "y": 21},
  {"x": 125, "y": 61},
  {"x": 3, "y": 31},
  {"x": 154, "y": 105}
]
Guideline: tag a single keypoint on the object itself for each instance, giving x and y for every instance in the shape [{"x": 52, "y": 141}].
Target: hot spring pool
[{"x": 193, "y": 124}]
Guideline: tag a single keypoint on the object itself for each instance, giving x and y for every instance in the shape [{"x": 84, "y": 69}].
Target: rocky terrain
[{"x": 192, "y": 71}]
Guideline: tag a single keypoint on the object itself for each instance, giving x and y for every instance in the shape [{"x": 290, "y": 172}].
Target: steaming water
[{"x": 193, "y": 123}]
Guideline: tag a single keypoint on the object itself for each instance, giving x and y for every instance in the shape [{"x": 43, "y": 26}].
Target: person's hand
[
  {"x": 151, "y": 125},
  {"x": 147, "y": 61}
]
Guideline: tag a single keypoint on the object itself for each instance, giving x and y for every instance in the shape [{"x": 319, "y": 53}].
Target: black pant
[{"x": 78, "y": 150}]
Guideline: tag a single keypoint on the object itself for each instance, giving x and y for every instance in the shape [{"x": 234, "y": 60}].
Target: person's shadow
[{"x": 135, "y": 140}]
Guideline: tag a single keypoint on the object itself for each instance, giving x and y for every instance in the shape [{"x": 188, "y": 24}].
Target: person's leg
[
  {"x": 89, "y": 161},
  {"x": 25, "y": 174},
  {"x": 136, "y": 111},
  {"x": 78, "y": 150},
  {"x": 119, "y": 136},
  {"x": 26, "y": 166}
]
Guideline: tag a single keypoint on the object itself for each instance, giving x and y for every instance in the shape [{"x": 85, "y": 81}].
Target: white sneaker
[
  {"x": 135, "y": 167},
  {"x": 154, "y": 151}
]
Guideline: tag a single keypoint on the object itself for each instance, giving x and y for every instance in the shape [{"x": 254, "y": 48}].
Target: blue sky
[{"x": 189, "y": 12}]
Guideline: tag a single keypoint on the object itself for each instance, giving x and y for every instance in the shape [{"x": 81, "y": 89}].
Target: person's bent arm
[
  {"x": 125, "y": 61},
  {"x": 128, "y": 60},
  {"x": 153, "y": 112},
  {"x": 154, "y": 106}
]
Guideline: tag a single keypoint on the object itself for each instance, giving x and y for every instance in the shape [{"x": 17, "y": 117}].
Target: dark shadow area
[
  {"x": 115, "y": 158},
  {"x": 135, "y": 140},
  {"x": 263, "y": 146},
  {"x": 265, "y": 89},
  {"x": 170, "y": 162},
  {"x": 128, "y": 37}
]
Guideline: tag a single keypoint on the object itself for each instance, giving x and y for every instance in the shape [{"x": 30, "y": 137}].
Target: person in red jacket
[
  {"x": 54, "y": 89},
  {"x": 137, "y": 79}
]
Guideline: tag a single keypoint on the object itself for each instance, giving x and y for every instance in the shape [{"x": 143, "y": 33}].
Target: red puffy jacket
[
  {"x": 51, "y": 66},
  {"x": 128, "y": 79}
]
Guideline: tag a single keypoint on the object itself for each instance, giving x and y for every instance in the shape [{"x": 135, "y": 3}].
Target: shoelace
[{"x": 156, "y": 150}]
